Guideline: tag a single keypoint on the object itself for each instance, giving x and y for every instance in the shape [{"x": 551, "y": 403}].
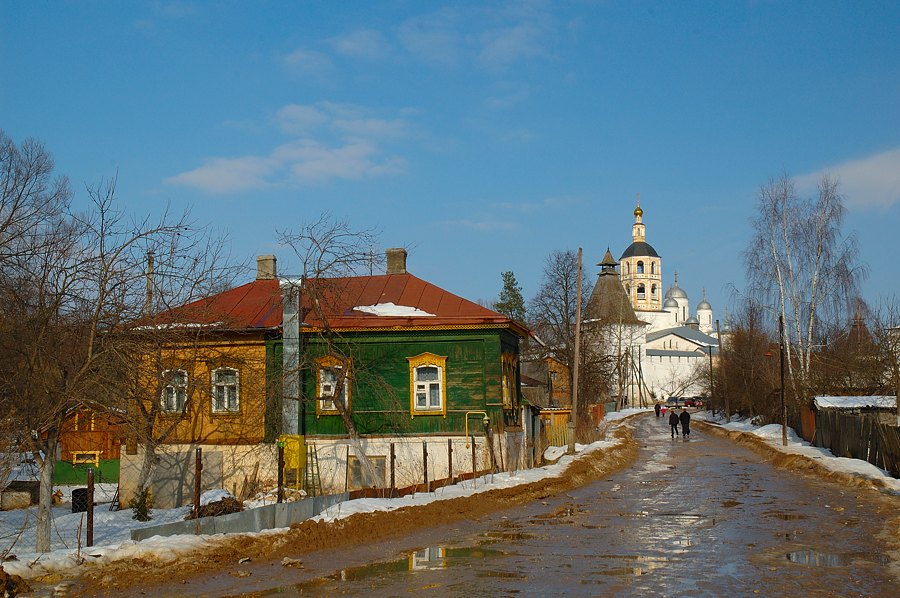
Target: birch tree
[{"x": 802, "y": 267}]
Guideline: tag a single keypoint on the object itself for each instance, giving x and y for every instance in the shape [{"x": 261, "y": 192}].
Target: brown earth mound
[
  {"x": 12, "y": 585},
  {"x": 226, "y": 506},
  {"x": 790, "y": 461},
  {"x": 362, "y": 528}
]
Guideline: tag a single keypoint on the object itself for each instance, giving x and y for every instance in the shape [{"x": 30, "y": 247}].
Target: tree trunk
[
  {"x": 47, "y": 463},
  {"x": 146, "y": 474}
]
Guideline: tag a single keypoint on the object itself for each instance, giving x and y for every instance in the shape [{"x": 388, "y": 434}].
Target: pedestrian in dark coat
[
  {"x": 685, "y": 418},
  {"x": 657, "y": 408},
  {"x": 673, "y": 422}
]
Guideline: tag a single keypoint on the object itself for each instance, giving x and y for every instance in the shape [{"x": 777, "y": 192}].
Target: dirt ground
[
  {"x": 362, "y": 528},
  {"x": 371, "y": 528}
]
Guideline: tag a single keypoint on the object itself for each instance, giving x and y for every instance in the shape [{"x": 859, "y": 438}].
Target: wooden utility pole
[
  {"x": 783, "y": 407},
  {"x": 725, "y": 397},
  {"x": 573, "y": 420}
]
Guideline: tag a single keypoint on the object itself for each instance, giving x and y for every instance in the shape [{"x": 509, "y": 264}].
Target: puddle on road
[
  {"x": 823, "y": 559},
  {"x": 784, "y": 516},
  {"x": 431, "y": 558}
]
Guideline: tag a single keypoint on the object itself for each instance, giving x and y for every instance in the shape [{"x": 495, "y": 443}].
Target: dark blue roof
[{"x": 639, "y": 248}]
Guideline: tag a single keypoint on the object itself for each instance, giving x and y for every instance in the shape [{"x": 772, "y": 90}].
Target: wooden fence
[{"x": 859, "y": 436}]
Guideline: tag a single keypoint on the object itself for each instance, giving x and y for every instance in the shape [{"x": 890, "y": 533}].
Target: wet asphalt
[{"x": 697, "y": 517}]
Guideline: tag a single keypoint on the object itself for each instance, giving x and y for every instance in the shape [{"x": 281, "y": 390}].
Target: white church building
[{"x": 666, "y": 346}]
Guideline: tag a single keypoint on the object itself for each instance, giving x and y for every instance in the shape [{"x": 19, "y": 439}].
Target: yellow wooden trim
[
  {"x": 315, "y": 329},
  {"x": 508, "y": 363},
  {"x": 331, "y": 361},
  {"x": 95, "y": 458},
  {"x": 427, "y": 359}
]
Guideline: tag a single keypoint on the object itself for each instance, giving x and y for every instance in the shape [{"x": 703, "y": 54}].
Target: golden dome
[{"x": 638, "y": 211}]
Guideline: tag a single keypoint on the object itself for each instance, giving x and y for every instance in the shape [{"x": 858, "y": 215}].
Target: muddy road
[{"x": 695, "y": 517}]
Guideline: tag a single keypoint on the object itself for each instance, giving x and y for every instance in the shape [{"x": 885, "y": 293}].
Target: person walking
[
  {"x": 673, "y": 422},
  {"x": 657, "y": 408},
  {"x": 685, "y": 419}
]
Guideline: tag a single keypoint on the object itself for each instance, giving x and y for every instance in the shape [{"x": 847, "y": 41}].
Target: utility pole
[
  {"x": 727, "y": 407},
  {"x": 573, "y": 420},
  {"x": 783, "y": 407}
]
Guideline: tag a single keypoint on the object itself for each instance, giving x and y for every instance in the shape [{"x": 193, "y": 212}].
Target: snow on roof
[
  {"x": 877, "y": 402},
  {"x": 391, "y": 309}
]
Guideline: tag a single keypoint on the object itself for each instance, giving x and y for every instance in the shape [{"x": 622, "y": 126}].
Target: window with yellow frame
[
  {"x": 333, "y": 383},
  {"x": 508, "y": 363},
  {"x": 427, "y": 385}
]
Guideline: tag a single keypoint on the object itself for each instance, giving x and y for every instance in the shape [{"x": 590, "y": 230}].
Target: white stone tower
[{"x": 641, "y": 268}]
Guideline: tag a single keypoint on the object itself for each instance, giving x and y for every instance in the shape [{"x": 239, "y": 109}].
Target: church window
[
  {"x": 640, "y": 267},
  {"x": 653, "y": 291},
  {"x": 652, "y": 267},
  {"x": 627, "y": 268},
  {"x": 641, "y": 292}
]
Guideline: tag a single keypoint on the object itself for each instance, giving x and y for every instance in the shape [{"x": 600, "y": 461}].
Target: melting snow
[{"x": 391, "y": 309}]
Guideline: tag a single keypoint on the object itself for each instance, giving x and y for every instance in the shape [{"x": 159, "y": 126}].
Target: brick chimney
[
  {"x": 396, "y": 260},
  {"x": 265, "y": 267}
]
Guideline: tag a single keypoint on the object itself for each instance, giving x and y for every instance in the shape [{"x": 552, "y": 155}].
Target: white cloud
[
  {"x": 502, "y": 47},
  {"x": 347, "y": 145},
  {"x": 311, "y": 161},
  {"x": 870, "y": 182},
  {"x": 299, "y": 119},
  {"x": 228, "y": 175},
  {"x": 367, "y": 44},
  {"x": 433, "y": 38},
  {"x": 307, "y": 61}
]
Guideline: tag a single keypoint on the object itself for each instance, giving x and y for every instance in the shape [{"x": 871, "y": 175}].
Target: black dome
[{"x": 639, "y": 248}]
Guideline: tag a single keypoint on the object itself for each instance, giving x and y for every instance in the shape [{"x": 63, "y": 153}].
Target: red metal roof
[{"x": 258, "y": 305}]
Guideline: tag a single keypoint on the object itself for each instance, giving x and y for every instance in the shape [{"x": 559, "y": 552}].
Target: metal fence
[{"x": 859, "y": 436}]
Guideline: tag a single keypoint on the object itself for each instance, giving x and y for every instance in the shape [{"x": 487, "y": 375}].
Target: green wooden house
[{"x": 426, "y": 381}]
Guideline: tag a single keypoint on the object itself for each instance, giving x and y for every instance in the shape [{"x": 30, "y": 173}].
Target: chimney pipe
[
  {"x": 265, "y": 267},
  {"x": 396, "y": 260}
]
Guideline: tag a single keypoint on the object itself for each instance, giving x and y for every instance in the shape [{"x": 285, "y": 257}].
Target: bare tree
[
  {"x": 551, "y": 314},
  {"x": 802, "y": 267},
  {"x": 70, "y": 282}
]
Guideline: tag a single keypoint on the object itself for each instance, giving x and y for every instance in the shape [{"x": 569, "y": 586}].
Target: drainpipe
[{"x": 290, "y": 402}]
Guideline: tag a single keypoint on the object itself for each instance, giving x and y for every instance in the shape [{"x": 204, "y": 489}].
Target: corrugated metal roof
[
  {"x": 674, "y": 353},
  {"x": 685, "y": 332},
  {"x": 257, "y": 305}
]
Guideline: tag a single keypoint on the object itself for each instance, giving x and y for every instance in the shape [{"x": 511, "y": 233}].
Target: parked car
[
  {"x": 693, "y": 402},
  {"x": 673, "y": 401}
]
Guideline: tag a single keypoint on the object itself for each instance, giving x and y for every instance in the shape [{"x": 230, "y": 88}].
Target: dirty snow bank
[
  {"x": 771, "y": 434},
  {"x": 112, "y": 529}
]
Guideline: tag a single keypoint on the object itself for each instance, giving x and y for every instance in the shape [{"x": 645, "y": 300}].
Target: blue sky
[{"x": 482, "y": 136}]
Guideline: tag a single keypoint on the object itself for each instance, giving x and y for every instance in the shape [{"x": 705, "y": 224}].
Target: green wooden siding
[{"x": 380, "y": 403}]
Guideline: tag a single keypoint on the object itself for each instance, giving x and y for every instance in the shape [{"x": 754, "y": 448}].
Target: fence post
[
  {"x": 198, "y": 467},
  {"x": 90, "y": 507},
  {"x": 450, "y": 459},
  {"x": 474, "y": 468},
  {"x": 280, "y": 496},
  {"x": 393, "y": 466},
  {"x": 425, "y": 464}
]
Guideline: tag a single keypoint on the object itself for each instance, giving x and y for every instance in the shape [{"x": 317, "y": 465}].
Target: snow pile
[
  {"x": 465, "y": 488},
  {"x": 865, "y": 402},
  {"x": 216, "y": 495},
  {"x": 391, "y": 309},
  {"x": 772, "y": 435},
  {"x": 112, "y": 529}
]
